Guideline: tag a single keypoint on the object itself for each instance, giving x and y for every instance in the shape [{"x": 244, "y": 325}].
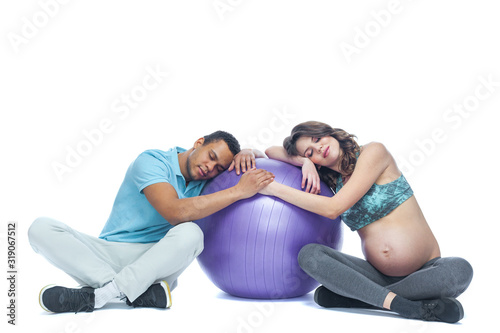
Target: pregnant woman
[{"x": 403, "y": 270}]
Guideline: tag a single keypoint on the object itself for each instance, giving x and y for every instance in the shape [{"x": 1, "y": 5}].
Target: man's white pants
[{"x": 94, "y": 262}]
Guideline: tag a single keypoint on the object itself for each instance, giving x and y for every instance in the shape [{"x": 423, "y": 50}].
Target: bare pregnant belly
[{"x": 401, "y": 242}]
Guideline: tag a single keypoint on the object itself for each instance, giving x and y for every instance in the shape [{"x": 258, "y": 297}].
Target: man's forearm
[
  {"x": 198, "y": 207},
  {"x": 163, "y": 197}
]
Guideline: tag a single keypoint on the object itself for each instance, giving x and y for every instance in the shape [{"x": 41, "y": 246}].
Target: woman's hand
[
  {"x": 244, "y": 160},
  {"x": 310, "y": 177}
]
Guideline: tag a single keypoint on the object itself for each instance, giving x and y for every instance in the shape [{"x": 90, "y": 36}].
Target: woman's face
[{"x": 323, "y": 151}]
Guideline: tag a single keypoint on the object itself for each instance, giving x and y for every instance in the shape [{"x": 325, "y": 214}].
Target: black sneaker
[
  {"x": 60, "y": 299},
  {"x": 157, "y": 296},
  {"x": 328, "y": 299},
  {"x": 447, "y": 310}
]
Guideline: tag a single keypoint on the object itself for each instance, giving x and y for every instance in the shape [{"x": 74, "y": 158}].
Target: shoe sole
[
  {"x": 166, "y": 287},
  {"x": 40, "y": 300},
  {"x": 460, "y": 307}
]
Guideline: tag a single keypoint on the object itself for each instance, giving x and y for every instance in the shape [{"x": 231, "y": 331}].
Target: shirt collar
[{"x": 177, "y": 169}]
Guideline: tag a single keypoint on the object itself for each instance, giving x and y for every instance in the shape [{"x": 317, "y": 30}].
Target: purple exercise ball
[{"x": 251, "y": 246}]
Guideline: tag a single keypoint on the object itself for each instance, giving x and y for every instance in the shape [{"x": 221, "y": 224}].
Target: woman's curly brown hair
[{"x": 348, "y": 146}]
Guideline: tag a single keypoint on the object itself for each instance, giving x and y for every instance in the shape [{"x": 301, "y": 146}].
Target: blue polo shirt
[{"x": 132, "y": 218}]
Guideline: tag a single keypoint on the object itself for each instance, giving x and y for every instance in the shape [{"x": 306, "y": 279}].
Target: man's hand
[
  {"x": 252, "y": 182},
  {"x": 244, "y": 160},
  {"x": 310, "y": 175}
]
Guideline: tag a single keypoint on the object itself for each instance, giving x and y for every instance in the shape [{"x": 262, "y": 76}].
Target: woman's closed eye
[{"x": 309, "y": 152}]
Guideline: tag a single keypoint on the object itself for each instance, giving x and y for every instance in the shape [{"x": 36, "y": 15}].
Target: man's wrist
[{"x": 235, "y": 192}]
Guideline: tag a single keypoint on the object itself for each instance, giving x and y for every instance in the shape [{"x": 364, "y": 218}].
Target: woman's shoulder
[
  {"x": 374, "y": 149},
  {"x": 377, "y": 156},
  {"x": 374, "y": 157}
]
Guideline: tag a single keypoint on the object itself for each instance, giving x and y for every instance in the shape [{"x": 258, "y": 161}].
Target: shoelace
[
  {"x": 428, "y": 313},
  {"x": 78, "y": 300}
]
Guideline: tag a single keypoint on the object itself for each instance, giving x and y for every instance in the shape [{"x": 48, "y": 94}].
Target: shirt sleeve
[{"x": 149, "y": 169}]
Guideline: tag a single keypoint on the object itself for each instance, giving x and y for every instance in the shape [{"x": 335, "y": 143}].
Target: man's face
[{"x": 207, "y": 161}]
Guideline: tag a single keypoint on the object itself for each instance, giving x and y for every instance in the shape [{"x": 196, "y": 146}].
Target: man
[{"x": 148, "y": 240}]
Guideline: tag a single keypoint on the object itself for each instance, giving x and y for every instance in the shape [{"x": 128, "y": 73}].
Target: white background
[{"x": 254, "y": 68}]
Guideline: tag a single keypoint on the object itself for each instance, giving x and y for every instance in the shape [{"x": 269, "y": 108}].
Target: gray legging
[{"x": 356, "y": 278}]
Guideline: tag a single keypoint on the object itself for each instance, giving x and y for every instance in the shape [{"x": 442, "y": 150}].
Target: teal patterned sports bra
[{"x": 379, "y": 201}]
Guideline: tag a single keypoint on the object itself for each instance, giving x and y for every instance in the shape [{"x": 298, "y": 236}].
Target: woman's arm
[
  {"x": 310, "y": 177},
  {"x": 372, "y": 162},
  {"x": 279, "y": 153}
]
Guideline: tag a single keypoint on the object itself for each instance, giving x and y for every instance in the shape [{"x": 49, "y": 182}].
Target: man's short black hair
[{"x": 228, "y": 138}]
